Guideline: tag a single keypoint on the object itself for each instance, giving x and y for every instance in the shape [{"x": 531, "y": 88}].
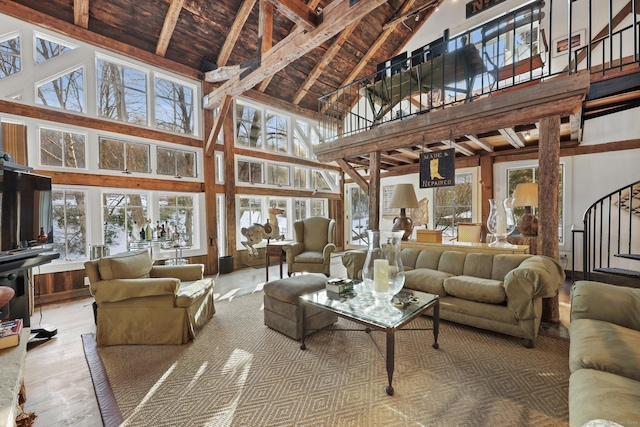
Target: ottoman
[{"x": 282, "y": 310}]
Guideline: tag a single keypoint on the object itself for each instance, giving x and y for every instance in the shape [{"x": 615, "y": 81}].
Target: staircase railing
[{"x": 609, "y": 243}]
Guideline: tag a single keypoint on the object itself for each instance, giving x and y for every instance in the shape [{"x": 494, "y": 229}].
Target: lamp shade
[
  {"x": 404, "y": 196},
  {"x": 526, "y": 194}
]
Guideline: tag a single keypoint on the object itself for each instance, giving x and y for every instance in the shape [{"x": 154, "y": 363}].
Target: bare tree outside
[{"x": 10, "y": 62}]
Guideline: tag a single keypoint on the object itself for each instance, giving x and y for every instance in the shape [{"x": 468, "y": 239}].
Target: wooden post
[
  {"x": 548, "y": 187},
  {"x": 374, "y": 190},
  {"x": 486, "y": 191},
  {"x": 211, "y": 220},
  {"x": 230, "y": 185}
]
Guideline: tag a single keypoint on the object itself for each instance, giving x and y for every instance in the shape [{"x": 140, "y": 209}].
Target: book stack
[
  {"x": 339, "y": 286},
  {"x": 10, "y": 333}
]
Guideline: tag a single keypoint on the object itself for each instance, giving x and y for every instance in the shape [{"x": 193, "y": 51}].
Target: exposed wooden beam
[
  {"x": 168, "y": 26},
  {"x": 324, "y": 61},
  {"x": 337, "y": 16},
  {"x": 234, "y": 32},
  {"x": 511, "y": 136},
  {"x": 374, "y": 190},
  {"x": 465, "y": 151},
  {"x": 222, "y": 74},
  {"x": 81, "y": 13},
  {"x": 265, "y": 26},
  {"x": 354, "y": 175},
  {"x": 576, "y": 126},
  {"x": 561, "y": 95},
  {"x": 411, "y": 14},
  {"x": 124, "y": 181},
  {"x": 265, "y": 83},
  {"x": 484, "y": 145},
  {"x": 297, "y": 12},
  {"x": 217, "y": 125},
  {"x": 409, "y": 153}
]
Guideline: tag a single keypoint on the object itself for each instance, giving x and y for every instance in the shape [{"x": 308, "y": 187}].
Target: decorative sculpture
[{"x": 257, "y": 232}]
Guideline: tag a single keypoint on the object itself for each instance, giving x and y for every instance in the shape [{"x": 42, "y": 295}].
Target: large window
[
  {"x": 174, "y": 106},
  {"x": 65, "y": 91},
  {"x": 70, "y": 224},
  {"x": 248, "y": 126},
  {"x": 177, "y": 217},
  {"x": 47, "y": 48},
  {"x": 123, "y": 214},
  {"x": 124, "y": 156},
  {"x": 62, "y": 149},
  {"x": 10, "y": 62},
  {"x": 453, "y": 205},
  {"x": 176, "y": 162},
  {"x": 250, "y": 212},
  {"x": 122, "y": 92},
  {"x": 277, "y": 135},
  {"x": 529, "y": 175}
]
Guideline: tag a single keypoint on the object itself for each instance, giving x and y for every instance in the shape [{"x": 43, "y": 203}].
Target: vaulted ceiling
[{"x": 205, "y": 34}]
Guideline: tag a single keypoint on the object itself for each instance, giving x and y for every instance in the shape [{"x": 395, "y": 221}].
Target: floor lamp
[
  {"x": 527, "y": 195},
  {"x": 404, "y": 196}
]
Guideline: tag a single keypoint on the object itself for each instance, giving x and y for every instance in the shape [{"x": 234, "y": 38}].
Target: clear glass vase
[
  {"x": 383, "y": 273},
  {"x": 501, "y": 222}
]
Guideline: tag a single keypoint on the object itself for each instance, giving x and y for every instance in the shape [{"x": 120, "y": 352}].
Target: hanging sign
[
  {"x": 437, "y": 169},
  {"x": 476, "y": 6}
]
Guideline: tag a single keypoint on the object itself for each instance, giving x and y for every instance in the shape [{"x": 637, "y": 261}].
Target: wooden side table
[{"x": 275, "y": 249}]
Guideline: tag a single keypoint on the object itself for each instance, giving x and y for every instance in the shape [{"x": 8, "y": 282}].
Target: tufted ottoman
[{"x": 282, "y": 310}]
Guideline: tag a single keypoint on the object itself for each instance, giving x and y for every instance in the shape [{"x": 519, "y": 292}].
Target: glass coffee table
[{"x": 354, "y": 307}]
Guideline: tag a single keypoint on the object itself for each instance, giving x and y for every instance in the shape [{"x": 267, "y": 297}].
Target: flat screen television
[{"x": 26, "y": 214}]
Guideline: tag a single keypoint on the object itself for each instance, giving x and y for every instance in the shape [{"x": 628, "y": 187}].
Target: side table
[{"x": 275, "y": 249}]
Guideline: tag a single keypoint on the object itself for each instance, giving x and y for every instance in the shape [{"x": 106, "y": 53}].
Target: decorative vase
[
  {"x": 383, "y": 273},
  {"x": 501, "y": 222}
]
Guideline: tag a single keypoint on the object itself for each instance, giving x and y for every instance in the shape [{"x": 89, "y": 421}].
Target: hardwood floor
[{"x": 58, "y": 385}]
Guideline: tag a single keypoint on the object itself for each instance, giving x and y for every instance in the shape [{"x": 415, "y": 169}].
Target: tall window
[
  {"x": 300, "y": 135},
  {"x": 65, "y": 91},
  {"x": 124, "y": 156},
  {"x": 174, "y": 107},
  {"x": 248, "y": 126},
  {"x": 122, "y": 214},
  {"x": 299, "y": 177},
  {"x": 283, "y": 220},
  {"x": 300, "y": 209},
  {"x": 453, "y": 205},
  {"x": 318, "y": 208},
  {"x": 177, "y": 216},
  {"x": 10, "y": 62},
  {"x": 528, "y": 175},
  {"x": 250, "y": 212},
  {"x": 176, "y": 162},
  {"x": 62, "y": 149},
  {"x": 277, "y": 136},
  {"x": 122, "y": 92},
  {"x": 359, "y": 217},
  {"x": 70, "y": 224}
]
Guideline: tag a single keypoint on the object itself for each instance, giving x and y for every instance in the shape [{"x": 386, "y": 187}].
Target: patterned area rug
[{"x": 238, "y": 372}]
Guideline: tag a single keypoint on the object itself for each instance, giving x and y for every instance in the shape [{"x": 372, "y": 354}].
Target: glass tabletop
[{"x": 354, "y": 305}]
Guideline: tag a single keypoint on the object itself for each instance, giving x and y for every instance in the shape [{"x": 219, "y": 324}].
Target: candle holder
[
  {"x": 383, "y": 273},
  {"x": 501, "y": 222}
]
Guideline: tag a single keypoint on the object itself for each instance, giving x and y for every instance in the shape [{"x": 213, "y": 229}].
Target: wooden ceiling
[{"x": 226, "y": 33}]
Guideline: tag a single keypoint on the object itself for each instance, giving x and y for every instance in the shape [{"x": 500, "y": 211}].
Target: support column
[
  {"x": 211, "y": 220},
  {"x": 548, "y": 192},
  {"x": 374, "y": 190}
]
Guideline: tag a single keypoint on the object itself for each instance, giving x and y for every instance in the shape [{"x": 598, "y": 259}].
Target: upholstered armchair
[
  {"x": 140, "y": 303},
  {"x": 314, "y": 243}
]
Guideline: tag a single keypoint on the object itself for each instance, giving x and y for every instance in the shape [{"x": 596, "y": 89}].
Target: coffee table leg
[
  {"x": 391, "y": 348},
  {"x": 436, "y": 324}
]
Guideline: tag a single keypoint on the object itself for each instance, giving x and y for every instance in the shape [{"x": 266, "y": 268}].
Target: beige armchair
[
  {"x": 139, "y": 303},
  {"x": 314, "y": 243}
]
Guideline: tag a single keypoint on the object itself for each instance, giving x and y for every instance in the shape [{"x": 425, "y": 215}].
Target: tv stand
[{"x": 15, "y": 269}]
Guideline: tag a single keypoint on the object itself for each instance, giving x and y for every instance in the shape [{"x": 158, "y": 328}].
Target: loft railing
[
  {"x": 508, "y": 51},
  {"x": 610, "y": 234}
]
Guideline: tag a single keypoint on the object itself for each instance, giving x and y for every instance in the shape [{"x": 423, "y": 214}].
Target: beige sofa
[
  {"x": 139, "y": 303},
  {"x": 604, "y": 355},
  {"x": 501, "y": 293}
]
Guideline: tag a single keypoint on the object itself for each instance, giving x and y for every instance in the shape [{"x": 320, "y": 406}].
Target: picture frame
[{"x": 560, "y": 46}]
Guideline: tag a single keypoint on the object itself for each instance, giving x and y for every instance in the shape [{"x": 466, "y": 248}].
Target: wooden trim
[
  {"x": 284, "y": 192},
  {"x": 125, "y": 181},
  {"x": 262, "y": 155}
]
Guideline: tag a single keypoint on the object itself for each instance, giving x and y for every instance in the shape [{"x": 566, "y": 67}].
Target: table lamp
[
  {"x": 404, "y": 196},
  {"x": 527, "y": 195}
]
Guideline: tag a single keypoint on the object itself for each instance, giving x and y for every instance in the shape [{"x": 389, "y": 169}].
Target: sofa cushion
[
  {"x": 478, "y": 265},
  {"x": 475, "y": 289},
  {"x": 310, "y": 257},
  {"x": 428, "y": 259},
  {"x": 452, "y": 262},
  {"x": 600, "y": 395},
  {"x": 409, "y": 257},
  {"x": 426, "y": 280},
  {"x": 504, "y": 263},
  {"x": 604, "y": 346},
  {"x": 128, "y": 265}
]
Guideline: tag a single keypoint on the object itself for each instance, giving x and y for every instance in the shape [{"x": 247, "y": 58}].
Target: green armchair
[
  {"x": 139, "y": 303},
  {"x": 314, "y": 243}
]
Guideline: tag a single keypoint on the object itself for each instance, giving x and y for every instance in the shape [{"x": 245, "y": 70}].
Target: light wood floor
[{"x": 58, "y": 385}]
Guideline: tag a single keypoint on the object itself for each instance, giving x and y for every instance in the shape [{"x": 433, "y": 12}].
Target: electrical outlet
[{"x": 86, "y": 281}]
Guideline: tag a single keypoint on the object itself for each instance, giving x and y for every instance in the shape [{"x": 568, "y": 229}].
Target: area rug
[{"x": 238, "y": 372}]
